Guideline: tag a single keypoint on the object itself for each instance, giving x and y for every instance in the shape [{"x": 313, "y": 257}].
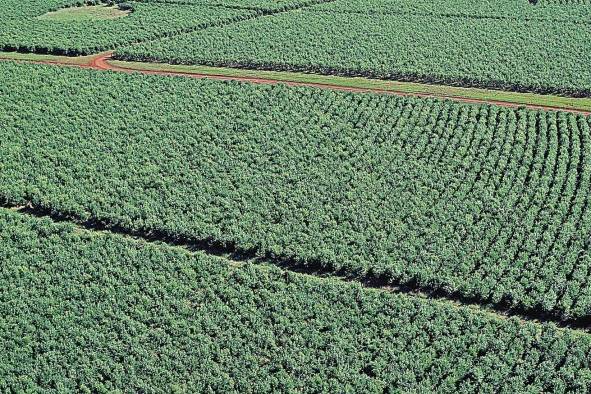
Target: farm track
[
  {"x": 102, "y": 62},
  {"x": 236, "y": 257}
]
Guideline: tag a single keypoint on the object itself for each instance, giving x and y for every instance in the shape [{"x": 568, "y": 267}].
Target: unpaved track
[{"x": 101, "y": 62}]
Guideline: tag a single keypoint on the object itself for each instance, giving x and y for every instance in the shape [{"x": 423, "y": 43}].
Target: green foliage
[
  {"x": 488, "y": 202},
  {"x": 503, "y": 45},
  {"x": 487, "y": 9},
  {"x": 259, "y": 5},
  {"x": 94, "y": 312},
  {"x": 23, "y": 30},
  {"x": 562, "y": 2}
]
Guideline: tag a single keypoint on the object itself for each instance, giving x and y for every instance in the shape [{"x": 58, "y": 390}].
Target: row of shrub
[
  {"x": 94, "y": 312},
  {"x": 481, "y": 202}
]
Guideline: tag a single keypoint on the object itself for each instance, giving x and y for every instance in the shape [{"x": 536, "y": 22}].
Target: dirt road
[{"x": 102, "y": 62}]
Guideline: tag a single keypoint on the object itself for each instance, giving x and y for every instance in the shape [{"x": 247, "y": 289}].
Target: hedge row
[
  {"x": 262, "y": 6},
  {"x": 515, "y": 10}
]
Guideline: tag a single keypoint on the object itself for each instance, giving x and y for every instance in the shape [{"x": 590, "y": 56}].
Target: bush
[{"x": 125, "y": 6}]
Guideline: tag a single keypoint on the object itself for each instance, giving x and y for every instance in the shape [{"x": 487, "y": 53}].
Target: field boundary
[
  {"x": 104, "y": 61},
  {"x": 236, "y": 256}
]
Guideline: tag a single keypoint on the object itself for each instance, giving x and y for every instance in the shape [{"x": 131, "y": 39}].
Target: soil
[{"x": 101, "y": 62}]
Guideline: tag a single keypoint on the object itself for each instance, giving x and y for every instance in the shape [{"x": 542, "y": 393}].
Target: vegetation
[
  {"x": 562, "y": 2},
  {"x": 567, "y": 103},
  {"x": 95, "y": 312},
  {"x": 33, "y": 57},
  {"x": 24, "y": 31},
  {"x": 73, "y": 28},
  {"x": 264, "y": 6},
  {"x": 413, "y": 44},
  {"x": 261, "y": 184},
  {"x": 487, "y": 202},
  {"x": 518, "y": 10}
]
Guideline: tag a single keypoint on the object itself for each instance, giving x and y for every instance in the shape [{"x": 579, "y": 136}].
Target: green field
[
  {"x": 579, "y": 104},
  {"x": 350, "y": 196},
  {"x": 263, "y": 6},
  {"x": 97, "y": 312},
  {"x": 562, "y": 2},
  {"x": 552, "y": 10},
  {"x": 411, "y": 88},
  {"x": 483, "y": 201},
  {"x": 66, "y": 32},
  {"x": 455, "y": 45},
  {"x": 67, "y": 27},
  {"x": 84, "y": 13}
]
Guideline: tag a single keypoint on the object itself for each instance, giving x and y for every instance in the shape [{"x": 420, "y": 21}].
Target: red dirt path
[{"x": 101, "y": 62}]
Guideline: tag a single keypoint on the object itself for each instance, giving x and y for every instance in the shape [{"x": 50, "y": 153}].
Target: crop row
[
  {"x": 96, "y": 312},
  {"x": 24, "y": 31},
  {"x": 508, "y": 54},
  {"x": 487, "y": 202},
  {"x": 516, "y": 10},
  {"x": 264, "y": 6}
]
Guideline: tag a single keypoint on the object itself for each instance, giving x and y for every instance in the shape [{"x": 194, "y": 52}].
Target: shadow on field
[{"x": 236, "y": 254}]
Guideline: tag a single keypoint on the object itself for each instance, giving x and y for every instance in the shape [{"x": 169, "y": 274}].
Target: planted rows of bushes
[
  {"x": 11, "y": 9},
  {"x": 490, "y": 203},
  {"x": 263, "y": 6},
  {"x": 517, "y": 10},
  {"x": 26, "y": 33},
  {"x": 94, "y": 312},
  {"x": 508, "y": 54}
]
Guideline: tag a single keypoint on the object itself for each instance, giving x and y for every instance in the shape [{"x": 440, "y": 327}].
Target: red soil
[{"x": 101, "y": 62}]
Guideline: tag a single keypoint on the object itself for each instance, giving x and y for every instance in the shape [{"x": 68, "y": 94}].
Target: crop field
[
  {"x": 418, "y": 42},
  {"x": 562, "y": 2},
  {"x": 34, "y": 33},
  {"x": 264, "y": 6},
  {"x": 243, "y": 329},
  {"x": 487, "y": 9},
  {"x": 295, "y": 196},
  {"x": 42, "y": 26},
  {"x": 488, "y": 202}
]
